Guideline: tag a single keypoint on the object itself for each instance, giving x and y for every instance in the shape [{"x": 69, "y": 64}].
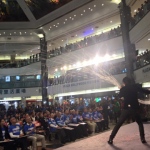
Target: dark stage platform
[{"x": 127, "y": 139}]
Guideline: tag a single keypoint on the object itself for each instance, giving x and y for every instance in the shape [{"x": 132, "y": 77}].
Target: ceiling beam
[{"x": 26, "y": 10}]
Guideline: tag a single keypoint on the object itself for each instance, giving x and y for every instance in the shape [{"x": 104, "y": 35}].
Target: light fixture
[
  {"x": 40, "y": 35},
  {"x": 149, "y": 39},
  {"x": 64, "y": 22},
  {"x": 70, "y": 17},
  {"x": 74, "y": 15},
  {"x": 62, "y": 40},
  {"x": 135, "y": 10},
  {"x": 76, "y": 35},
  {"x": 66, "y": 19},
  {"x": 14, "y": 32},
  {"x": 0, "y": 33},
  {"x": 58, "y": 23},
  {"x": 110, "y": 21},
  {"x": 92, "y": 29},
  {"x": 83, "y": 10},
  {"x": 50, "y": 45},
  {"x": 91, "y": 9},
  {"x": 49, "y": 29},
  {"x": 54, "y": 25},
  {"x": 10, "y": 33},
  {"x": 25, "y": 32},
  {"x": 20, "y": 33},
  {"x": 94, "y": 5},
  {"x": 102, "y": 4},
  {"x": 61, "y": 68},
  {"x": 4, "y": 32},
  {"x": 81, "y": 14},
  {"x": 56, "y": 69}
]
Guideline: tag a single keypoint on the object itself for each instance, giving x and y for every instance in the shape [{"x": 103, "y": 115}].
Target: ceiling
[{"x": 67, "y": 22}]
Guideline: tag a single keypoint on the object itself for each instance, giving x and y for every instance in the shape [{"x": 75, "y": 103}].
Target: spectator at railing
[
  {"x": 87, "y": 41},
  {"x": 113, "y": 69},
  {"x": 140, "y": 14}
]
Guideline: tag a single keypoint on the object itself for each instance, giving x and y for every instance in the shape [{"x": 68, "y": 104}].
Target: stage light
[
  {"x": 78, "y": 64},
  {"x": 106, "y": 57},
  {"x": 65, "y": 67},
  {"x": 56, "y": 69},
  {"x": 40, "y": 35},
  {"x": 96, "y": 60}
]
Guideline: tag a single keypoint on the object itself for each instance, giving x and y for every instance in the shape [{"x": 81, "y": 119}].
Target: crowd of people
[
  {"x": 141, "y": 12},
  {"x": 87, "y": 41},
  {"x": 68, "y": 122},
  {"x": 21, "y": 63},
  {"x": 143, "y": 59}
]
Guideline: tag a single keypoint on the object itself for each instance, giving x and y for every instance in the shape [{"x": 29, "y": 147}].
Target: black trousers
[{"x": 124, "y": 115}]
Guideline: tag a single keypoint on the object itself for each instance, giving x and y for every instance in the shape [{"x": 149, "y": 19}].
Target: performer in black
[{"x": 131, "y": 106}]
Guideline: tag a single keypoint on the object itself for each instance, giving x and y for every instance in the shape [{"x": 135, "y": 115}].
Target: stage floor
[{"x": 127, "y": 139}]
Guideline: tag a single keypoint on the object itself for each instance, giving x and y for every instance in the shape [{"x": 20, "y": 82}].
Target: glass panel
[
  {"x": 11, "y": 11},
  {"x": 41, "y": 8}
]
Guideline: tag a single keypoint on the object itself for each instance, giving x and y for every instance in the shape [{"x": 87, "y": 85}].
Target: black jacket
[
  {"x": 6, "y": 133},
  {"x": 130, "y": 94},
  {"x": 44, "y": 123}
]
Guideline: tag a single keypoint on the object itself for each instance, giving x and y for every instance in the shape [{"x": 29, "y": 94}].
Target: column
[
  {"x": 12, "y": 58},
  {"x": 44, "y": 70},
  {"x": 129, "y": 48}
]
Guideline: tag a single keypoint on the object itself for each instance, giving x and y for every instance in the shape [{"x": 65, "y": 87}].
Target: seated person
[
  {"x": 17, "y": 135},
  {"x": 68, "y": 131},
  {"x": 88, "y": 119},
  {"x": 29, "y": 129},
  {"x": 54, "y": 128},
  {"x": 98, "y": 118},
  {"x": 77, "y": 119},
  {"x": 4, "y": 136},
  {"x": 67, "y": 118},
  {"x": 44, "y": 123}
]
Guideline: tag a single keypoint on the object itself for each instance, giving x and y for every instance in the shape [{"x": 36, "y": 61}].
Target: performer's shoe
[
  {"x": 143, "y": 141},
  {"x": 110, "y": 142}
]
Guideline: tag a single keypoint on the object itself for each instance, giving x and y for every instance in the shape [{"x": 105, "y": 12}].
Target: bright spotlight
[
  {"x": 96, "y": 60},
  {"x": 106, "y": 57},
  {"x": 65, "y": 67},
  {"x": 78, "y": 64}
]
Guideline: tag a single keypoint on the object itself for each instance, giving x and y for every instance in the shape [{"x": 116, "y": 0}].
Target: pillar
[
  {"x": 44, "y": 70},
  {"x": 12, "y": 58},
  {"x": 129, "y": 48}
]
